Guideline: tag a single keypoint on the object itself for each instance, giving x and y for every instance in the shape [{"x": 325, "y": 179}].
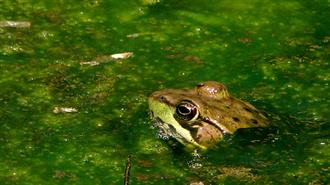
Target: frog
[{"x": 201, "y": 117}]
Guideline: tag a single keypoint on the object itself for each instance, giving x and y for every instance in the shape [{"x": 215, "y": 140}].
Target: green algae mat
[{"x": 75, "y": 77}]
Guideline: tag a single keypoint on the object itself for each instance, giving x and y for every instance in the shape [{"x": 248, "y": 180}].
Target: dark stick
[{"x": 127, "y": 169}]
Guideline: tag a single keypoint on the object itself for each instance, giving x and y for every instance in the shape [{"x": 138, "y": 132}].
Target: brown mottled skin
[{"x": 219, "y": 113}]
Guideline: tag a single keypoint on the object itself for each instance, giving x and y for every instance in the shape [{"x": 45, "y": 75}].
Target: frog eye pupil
[{"x": 186, "y": 111}]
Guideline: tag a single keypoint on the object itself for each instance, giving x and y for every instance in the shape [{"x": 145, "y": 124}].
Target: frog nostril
[
  {"x": 162, "y": 98},
  {"x": 200, "y": 85}
]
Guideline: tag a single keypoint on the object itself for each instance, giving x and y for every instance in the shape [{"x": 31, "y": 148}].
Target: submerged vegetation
[{"x": 64, "y": 120}]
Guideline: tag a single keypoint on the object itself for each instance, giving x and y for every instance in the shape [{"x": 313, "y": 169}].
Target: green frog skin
[{"x": 201, "y": 116}]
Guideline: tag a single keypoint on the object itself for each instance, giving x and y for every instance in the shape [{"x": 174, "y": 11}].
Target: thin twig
[{"x": 127, "y": 170}]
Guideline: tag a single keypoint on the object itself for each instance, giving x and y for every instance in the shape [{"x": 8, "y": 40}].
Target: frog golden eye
[{"x": 186, "y": 110}]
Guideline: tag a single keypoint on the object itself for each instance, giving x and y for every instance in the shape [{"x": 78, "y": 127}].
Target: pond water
[{"x": 71, "y": 113}]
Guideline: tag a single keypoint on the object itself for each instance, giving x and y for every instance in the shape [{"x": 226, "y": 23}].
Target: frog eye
[{"x": 186, "y": 110}]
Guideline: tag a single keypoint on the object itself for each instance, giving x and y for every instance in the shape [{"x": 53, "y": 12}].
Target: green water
[{"x": 274, "y": 54}]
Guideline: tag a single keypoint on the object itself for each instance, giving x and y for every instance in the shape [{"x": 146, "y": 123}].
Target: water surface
[{"x": 274, "y": 54}]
